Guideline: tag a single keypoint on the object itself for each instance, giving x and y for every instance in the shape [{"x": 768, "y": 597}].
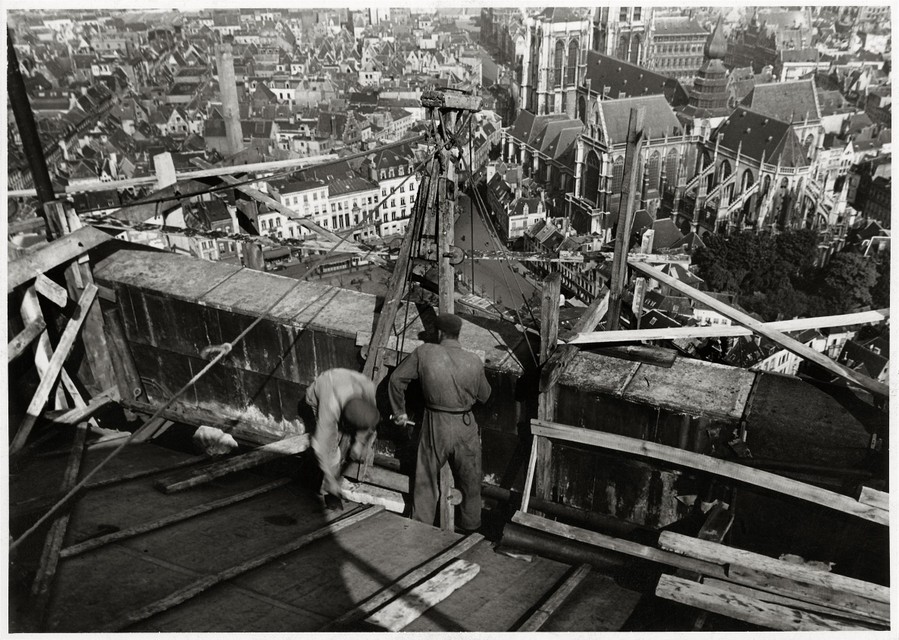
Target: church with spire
[{"x": 708, "y": 101}]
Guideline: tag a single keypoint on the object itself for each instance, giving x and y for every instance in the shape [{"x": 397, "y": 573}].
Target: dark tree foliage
[
  {"x": 846, "y": 282},
  {"x": 880, "y": 292},
  {"x": 775, "y": 276}
]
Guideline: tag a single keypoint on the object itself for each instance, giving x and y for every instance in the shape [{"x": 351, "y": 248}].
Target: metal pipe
[
  {"x": 31, "y": 142},
  {"x": 558, "y": 548}
]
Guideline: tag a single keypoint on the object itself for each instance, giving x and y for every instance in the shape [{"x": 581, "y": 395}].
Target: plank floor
[{"x": 301, "y": 591}]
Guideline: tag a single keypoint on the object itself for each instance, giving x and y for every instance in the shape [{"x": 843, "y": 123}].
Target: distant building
[
  {"x": 676, "y": 48},
  {"x": 621, "y": 32}
]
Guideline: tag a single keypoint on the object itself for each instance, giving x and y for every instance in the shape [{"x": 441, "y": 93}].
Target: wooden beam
[
  {"x": 774, "y": 598},
  {"x": 874, "y": 498},
  {"x": 539, "y": 618},
  {"x": 410, "y": 606},
  {"x": 52, "y": 255},
  {"x": 540, "y": 467},
  {"x": 627, "y": 208},
  {"x": 723, "y": 554},
  {"x": 725, "y": 468},
  {"x": 51, "y": 291},
  {"x": 741, "y": 607},
  {"x": 656, "y": 356},
  {"x": 790, "y": 344},
  {"x": 266, "y": 453},
  {"x": 549, "y": 315},
  {"x": 84, "y": 412},
  {"x": 130, "y": 532},
  {"x": 25, "y": 337},
  {"x": 619, "y": 545},
  {"x": 407, "y": 581},
  {"x": 374, "y": 367},
  {"x": 562, "y": 357},
  {"x": 43, "y": 581},
  {"x": 723, "y": 331},
  {"x": 826, "y": 596},
  {"x": 126, "y": 374},
  {"x": 66, "y": 342},
  {"x": 201, "y": 585},
  {"x": 529, "y": 475}
]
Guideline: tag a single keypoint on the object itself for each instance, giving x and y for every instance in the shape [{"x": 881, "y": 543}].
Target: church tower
[{"x": 709, "y": 95}]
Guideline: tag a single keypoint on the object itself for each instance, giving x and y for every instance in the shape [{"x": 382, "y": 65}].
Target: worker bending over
[
  {"x": 452, "y": 380},
  {"x": 346, "y": 415}
]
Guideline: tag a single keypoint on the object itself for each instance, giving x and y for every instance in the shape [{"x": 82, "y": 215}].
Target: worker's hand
[{"x": 401, "y": 420}]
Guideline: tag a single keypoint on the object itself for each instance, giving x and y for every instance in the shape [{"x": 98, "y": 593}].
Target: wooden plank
[
  {"x": 407, "y": 581},
  {"x": 549, "y": 315},
  {"x": 790, "y": 344},
  {"x": 66, "y": 342},
  {"x": 775, "y": 598},
  {"x": 43, "y": 581},
  {"x": 627, "y": 209},
  {"x": 265, "y": 453},
  {"x": 25, "y": 337},
  {"x": 725, "y": 468},
  {"x": 617, "y": 544},
  {"x": 410, "y": 606},
  {"x": 723, "y": 331},
  {"x": 126, "y": 374},
  {"x": 54, "y": 254},
  {"x": 203, "y": 584},
  {"x": 96, "y": 403},
  {"x": 825, "y": 596},
  {"x": 143, "y": 473},
  {"x": 144, "y": 527},
  {"x": 50, "y": 290},
  {"x": 557, "y": 363},
  {"x": 741, "y": 607},
  {"x": 529, "y": 476},
  {"x": 543, "y": 613},
  {"x": 874, "y": 498},
  {"x": 722, "y": 554}
]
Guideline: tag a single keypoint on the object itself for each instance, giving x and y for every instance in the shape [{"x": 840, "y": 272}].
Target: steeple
[{"x": 716, "y": 45}]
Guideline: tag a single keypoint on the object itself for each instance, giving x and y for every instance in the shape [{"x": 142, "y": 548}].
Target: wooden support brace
[
  {"x": 54, "y": 254},
  {"x": 204, "y": 584},
  {"x": 43, "y": 581},
  {"x": 410, "y": 606},
  {"x": 588, "y": 336},
  {"x": 539, "y": 618},
  {"x": 562, "y": 357},
  {"x": 130, "y": 532},
  {"x": 25, "y": 337},
  {"x": 742, "y": 607},
  {"x": 790, "y": 344},
  {"x": 266, "y": 453},
  {"x": 50, "y": 290},
  {"x": 723, "y": 554},
  {"x": 407, "y": 581},
  {"x": 619, "y": 545},
  {"x": 66, "y": 342},
  {"x": 725, "y": 468},
  {"x": 874, "y": 498}
]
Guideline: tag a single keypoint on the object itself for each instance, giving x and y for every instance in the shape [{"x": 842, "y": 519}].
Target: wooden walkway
[{"x": 111, "y": 586}]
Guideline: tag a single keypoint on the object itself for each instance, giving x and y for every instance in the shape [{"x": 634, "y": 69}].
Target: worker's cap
[
  {"x": 361, "y": 414},
  {"x": 449, "y": 323}
]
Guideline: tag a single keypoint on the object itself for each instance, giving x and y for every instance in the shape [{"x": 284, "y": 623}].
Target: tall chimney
[{"x": 228, "y": 89}]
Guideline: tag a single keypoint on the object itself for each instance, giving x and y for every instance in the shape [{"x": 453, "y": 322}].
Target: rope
[{"x": 220, "y": 350}]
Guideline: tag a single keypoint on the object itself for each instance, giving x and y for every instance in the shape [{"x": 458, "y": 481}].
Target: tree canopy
[{"x": 776, "y": 277}]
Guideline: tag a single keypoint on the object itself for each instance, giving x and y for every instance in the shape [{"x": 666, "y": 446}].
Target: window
[
  {"x": 393, "y": 202},
  {"x": 636, "y": 13},
  {"x": 622, "y": 15}
]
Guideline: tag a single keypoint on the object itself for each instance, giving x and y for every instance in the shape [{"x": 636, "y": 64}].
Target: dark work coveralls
[{"x": 452, "y": 380}]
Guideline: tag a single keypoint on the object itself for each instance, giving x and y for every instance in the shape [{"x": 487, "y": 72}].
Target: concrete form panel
[
  {"x": 170, "y": 274},
  {"x": 249, "y": 291}
]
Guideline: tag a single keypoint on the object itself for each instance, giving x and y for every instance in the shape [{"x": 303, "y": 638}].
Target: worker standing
[
  {"x": 452, "y": 380},
  {"x": 346, "y": 415}
]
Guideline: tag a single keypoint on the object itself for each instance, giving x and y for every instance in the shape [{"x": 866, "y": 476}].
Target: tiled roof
[
  {"x": 760, "y": 137},
  {"x": 787, "y": 101},
  {"x": 659, "y": 119},
  {"x": 623, "y": 77},
  {"x": 677, "y": 25},
  {"x": 349, "y": 185}
]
